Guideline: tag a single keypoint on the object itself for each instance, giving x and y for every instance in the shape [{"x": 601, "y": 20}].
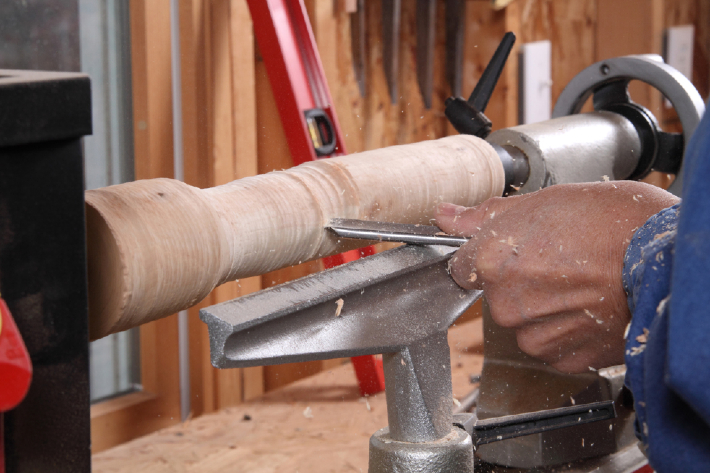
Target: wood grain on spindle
[{"x": 159, "y": 246}]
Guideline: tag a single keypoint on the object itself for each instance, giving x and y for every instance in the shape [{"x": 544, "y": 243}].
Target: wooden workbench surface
[{"x": 318, "y": 424}]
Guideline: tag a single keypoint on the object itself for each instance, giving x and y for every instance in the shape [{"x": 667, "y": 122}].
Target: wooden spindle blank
[{"x": 159, "y": 246}]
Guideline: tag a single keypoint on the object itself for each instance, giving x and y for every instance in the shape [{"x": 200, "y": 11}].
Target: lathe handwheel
[{"x": 608, "y": 81}]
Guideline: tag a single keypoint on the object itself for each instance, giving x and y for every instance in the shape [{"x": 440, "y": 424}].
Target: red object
[
  {"x": 645, "y": 469},
  {"x": 15, "y": 365},
  {"x": 290, "y": 54},
  {"x": 15, "y": 370}
]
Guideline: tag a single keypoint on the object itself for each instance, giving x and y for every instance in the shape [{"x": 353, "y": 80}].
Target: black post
[{"x": 43, "y": 116}]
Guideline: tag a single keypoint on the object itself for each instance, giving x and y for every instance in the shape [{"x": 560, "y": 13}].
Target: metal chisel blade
[{"x": 394, "y": 232}]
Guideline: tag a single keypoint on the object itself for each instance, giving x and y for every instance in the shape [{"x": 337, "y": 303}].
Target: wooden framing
[
  {"x": 219, "y": 110},
  {"x": 219, "y": 141},
  {"x": 158, "y": 404}
]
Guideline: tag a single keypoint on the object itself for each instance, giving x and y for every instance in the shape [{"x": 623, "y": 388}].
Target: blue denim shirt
[{"x": 667, "y": 279}]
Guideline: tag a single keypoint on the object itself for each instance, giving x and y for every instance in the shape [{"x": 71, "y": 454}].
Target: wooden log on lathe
[{"x": 159, "y": 246}]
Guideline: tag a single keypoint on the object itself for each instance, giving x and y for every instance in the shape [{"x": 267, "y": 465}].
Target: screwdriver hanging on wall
[
  {"x": 426, "y": 33},
  {"x": 391, "y": 23}
]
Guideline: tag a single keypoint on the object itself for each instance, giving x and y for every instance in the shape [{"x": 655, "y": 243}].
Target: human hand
[{"x": 550, "y": 264}]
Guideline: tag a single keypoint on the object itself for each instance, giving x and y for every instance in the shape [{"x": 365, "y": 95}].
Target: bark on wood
[{"x": 159, "y": 246}]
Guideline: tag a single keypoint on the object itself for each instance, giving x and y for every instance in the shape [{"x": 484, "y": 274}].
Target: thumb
[{"x": 463, "y": 221}]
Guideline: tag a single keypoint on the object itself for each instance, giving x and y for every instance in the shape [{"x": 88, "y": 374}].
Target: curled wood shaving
[
  {"x": 643, "y": 338},
  {"x": 638, "y": 350},
  {"x": 339, "y": 306},
  {"x": 661, "y": 235}
]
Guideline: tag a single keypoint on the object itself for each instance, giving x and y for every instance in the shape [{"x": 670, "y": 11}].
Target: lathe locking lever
[{"x": 467, "y": 116}]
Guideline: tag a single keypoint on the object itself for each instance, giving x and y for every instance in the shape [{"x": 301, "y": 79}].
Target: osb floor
[{"x": 317, "y": 425}]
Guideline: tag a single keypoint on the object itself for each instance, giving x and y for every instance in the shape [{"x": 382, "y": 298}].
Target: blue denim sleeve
[{"x": 667, "y": 279}]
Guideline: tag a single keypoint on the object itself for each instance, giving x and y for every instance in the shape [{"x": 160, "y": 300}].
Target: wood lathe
[
  {"x": 159, "y": 246},
  {"x": 401, "y": 302}
]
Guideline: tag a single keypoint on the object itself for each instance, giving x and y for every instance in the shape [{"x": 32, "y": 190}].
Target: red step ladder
[{"x": 290, "y": 54}]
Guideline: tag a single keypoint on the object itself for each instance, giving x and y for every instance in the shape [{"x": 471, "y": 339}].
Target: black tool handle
[
  {"x": 487, "y": 83},
  {"x": 467, "y": 116}
]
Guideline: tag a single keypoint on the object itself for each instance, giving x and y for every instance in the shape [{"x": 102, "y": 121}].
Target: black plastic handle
[
  {"x": 467, "y": 116},
  {"x": 487, "y": 83}
]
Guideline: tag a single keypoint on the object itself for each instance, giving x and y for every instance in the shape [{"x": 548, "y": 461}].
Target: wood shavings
[
  {"x": 599, "y": 321},
  {"x": 634, "y": 197},
  {"x": 367, "y": 403},
  {"x": 591, "y": 369},
  {"x": 643, "y": 338},
  {"x": 638, "y": 350},
  {"x": 472, "y": 277},
  {"x": 493, "y": 233},
  {"x": 571, "y": 399},
  {"x": 339, "y": 306},
  {"x": 626, "y": 332},
  {"x": 457, "y": 403},
  {"x": 308, "y": 413},
  {"x": 605, "y": 178},
  {"x": 440, "y": 233}
]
